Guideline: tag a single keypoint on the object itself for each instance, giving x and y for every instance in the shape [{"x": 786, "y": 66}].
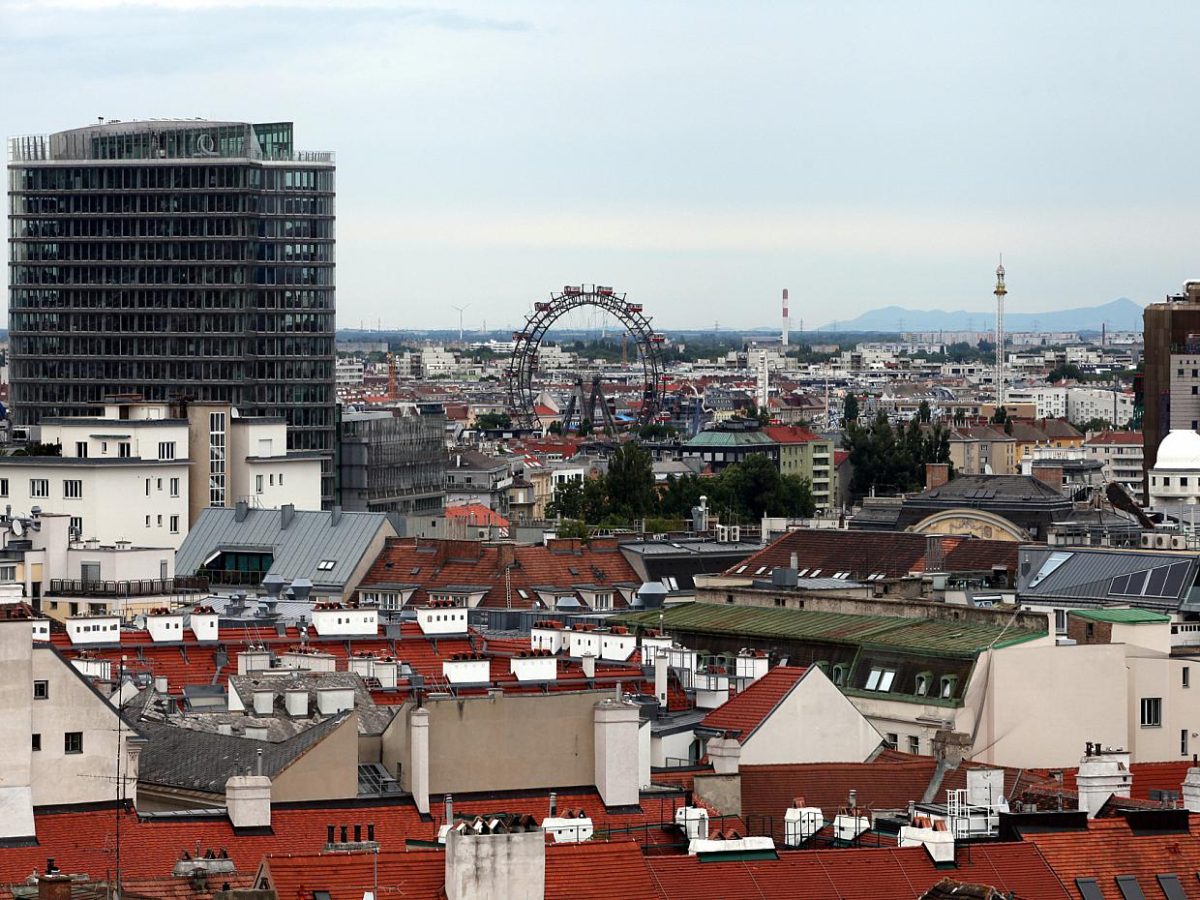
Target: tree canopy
[{"x": 892, "y": 460}]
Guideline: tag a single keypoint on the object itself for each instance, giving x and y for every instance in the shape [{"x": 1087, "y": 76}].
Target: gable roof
[
  {"x": 854, "y": 874},
  {"x": 311, "y": 537},
  {"x": 745, "y": 712},
  {"x": 510, "y": 575},
  {"x": 1109, "y": 848},
  {"x": 865, "y": 553}
]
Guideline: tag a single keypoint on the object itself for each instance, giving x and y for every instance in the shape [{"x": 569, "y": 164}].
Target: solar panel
[
  {"x": 1129, "y": 887},
  {"x": 1171, "y": 887},
  {"x": 1088, "y": 889}
]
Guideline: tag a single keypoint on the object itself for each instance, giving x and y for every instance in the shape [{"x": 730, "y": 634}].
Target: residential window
[
  {"x": 839, "y": 674},
  {"x": 174, "y": 524},
  {"x": 73, "y": 742},
  {"x": 124, "y": 450},
  {"x": 914, "y": 744},
  {"x": 271, "y": 479},
  {"x": 166, "y": 449},
  {"x": 77, "y": 526},
  {"x": 949, "y": 683},
  {"x": 880, "y": 679},
  {"x": 8, "y": 574},
  {"x": 147, "y": 487},
  {"x": 3, "y": 487},
  {"x": 158, "y": 485},
  {"x": 104, "y": 447},
  {"x": 147, "y": 521},
  {"x": 159, "y": 521},
  {"x": 258, "y": 484},
  {"x": 281, "y": 479},
  {"x": 1183, "y": 481},
  {"x": 892, "y": 740},
  {"x": 41, "y": 690},
  {"x": 1183, "y": 742},
  {"x": 174, "y": 485},
  {"x": 37, "y": 743},
  {"x": 73, "y": 489},
  {"x": 923, "y": 682},
  {"x": 39, "y": 487},
  {"x": 1151, "y": 712},
  {"x": 1186, "y": 676},
  {"x": 81, "y": 449},
  {"x": 1060, "y": 621}
]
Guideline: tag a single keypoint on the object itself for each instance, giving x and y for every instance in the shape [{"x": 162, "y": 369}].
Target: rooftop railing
[{"x": 147, "y": 587}]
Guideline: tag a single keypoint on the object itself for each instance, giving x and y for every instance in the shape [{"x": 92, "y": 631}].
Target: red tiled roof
[
  {"x": 840, "y": 456},
  {"x": 887, "y": 782},
  {"x": 597, "y": 870},
  {"x": 1126, "y": 438},
  {"x": 1147, "y": 777},
  {"x": 745, "y": 712},
  {"x": 476, "y": 514},
  {"x": 83, "y": 840},
  {"x": 864, "y": 553},
  {"x": 1109, "y": 847},
  {"x": 790, "y": 434},
  {"x": 854, "y": 874},
  {"x": 435, "y": 565},
  {"x": 416, "y": 874}
]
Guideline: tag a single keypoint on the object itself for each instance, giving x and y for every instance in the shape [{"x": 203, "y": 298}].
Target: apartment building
[
  {"x": 1120, "y": 452},
  {"x": 143, "y": 472},
  {"x": 810, "y": 456}
]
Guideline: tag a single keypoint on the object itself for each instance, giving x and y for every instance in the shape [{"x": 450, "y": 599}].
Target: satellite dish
[{"x": 17, "y": 527}]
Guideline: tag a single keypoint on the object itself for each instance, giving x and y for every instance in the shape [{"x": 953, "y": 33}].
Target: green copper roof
[
  {"x": 730, "y": 439},
  {"x": 1121, "y": 616},
  {"x": 893, "y": 632}
]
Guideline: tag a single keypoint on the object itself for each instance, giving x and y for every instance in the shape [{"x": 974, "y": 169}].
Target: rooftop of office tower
[{"x": 157, "y": 139}]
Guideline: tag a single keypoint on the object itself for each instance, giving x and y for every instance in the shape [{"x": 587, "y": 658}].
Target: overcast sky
[{"x": 698, "y": 155}]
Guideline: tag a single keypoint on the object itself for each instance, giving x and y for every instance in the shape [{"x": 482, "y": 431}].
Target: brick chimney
[
  {"x": 1051, "y": 475},
  {"x": 936, "y": 474},
  {"x": 54, "y": 887}
]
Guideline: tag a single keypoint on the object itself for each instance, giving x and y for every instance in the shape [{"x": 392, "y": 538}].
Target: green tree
[
  {"x": 555, "y": 428},
  {"x": 1000, "y": 416},
  {"x": 1064, "y": 372},
  {"x": 574, "y": 528},
  {"x": 629, "y": 483},
  {"x": 1094, "y": 424},
  {"x": 924, "y": 413},
  {"x": 679, "y": 495},
  {"x": 754, "y": 488},
  {"x": 489, "y": 421},
  {"x": 892, "y": 460},
  {"x": 850, "y": 410},
  {"x": 567, "y": 501}
]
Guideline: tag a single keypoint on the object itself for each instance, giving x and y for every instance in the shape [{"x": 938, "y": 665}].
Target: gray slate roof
[
  {"x": 298, "y": 549},
  {"x": 200, "y": 761},
  {"x": 1086, "y": 575}
]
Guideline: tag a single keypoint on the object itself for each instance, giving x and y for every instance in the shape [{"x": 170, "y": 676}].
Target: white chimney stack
[{"x": 787, "y": 321}]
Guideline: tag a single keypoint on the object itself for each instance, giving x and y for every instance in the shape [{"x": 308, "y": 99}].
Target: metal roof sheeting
[
  {"x": 923, "y": 635},
  {"x": 310, "y": 538}
]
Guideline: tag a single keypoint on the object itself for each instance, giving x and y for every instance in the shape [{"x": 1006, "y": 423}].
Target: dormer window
[
  {"x": 948, "y": 685},
  {"x": 924, "y": 680}
]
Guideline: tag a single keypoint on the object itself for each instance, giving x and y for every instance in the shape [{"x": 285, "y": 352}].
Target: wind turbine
[{"x": 461, "y": 310}]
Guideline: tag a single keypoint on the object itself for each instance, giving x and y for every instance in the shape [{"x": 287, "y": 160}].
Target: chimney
[
  {"x": 53, "y": 887},
  {"x": 248, "y": 801},
  {"x": 1191, "y": 787},
  {"x": 936, "y": 474},
  {"x": 1102, "y": 774},
  {"x": 241, "y": 510},
  {"x": 617, "y": 752},
  {"x": 1051, "y": 475},
  {"x": 660, "y": 678},
  {"x": 589, "y": 665},
  {"x": 448, "y": 812},
  {"x": 335, "y": 516},
  {"x": 418, "y": 765},
  {"x": 495, "y": 866},
  {"x": 16, "y": 788},
  {"x": 506, "y": 555},
  {"x": 725, "y": 753},
  {"x": 287, "y": 512}
]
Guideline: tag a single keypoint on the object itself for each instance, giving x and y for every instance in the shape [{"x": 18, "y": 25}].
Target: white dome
[{"x": 1179, "y": 450}]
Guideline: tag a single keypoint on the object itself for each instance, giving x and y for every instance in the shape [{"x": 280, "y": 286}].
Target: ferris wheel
[{"x": 523, "y": 364}]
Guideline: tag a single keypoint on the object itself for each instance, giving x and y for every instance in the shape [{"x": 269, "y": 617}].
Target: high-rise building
[
  {"x": 1171, "y": 331},
  {"x": 181, "y": 259}
]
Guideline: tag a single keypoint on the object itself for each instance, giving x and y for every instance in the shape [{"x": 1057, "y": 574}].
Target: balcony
[{"x": 147, "y": 587}]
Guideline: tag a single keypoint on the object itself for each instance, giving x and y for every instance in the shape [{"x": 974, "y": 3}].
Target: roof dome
[{"x": 1179, "y": 450}]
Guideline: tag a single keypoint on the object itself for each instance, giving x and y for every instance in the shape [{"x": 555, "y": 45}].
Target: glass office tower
[{"x": 176, "y": 260}]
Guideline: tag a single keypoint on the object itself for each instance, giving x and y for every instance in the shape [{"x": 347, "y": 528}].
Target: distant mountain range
[{"x": 1119, "y": 315}]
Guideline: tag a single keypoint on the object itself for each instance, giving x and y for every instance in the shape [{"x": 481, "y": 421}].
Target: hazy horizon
[{"x": 699, "y": 156}]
